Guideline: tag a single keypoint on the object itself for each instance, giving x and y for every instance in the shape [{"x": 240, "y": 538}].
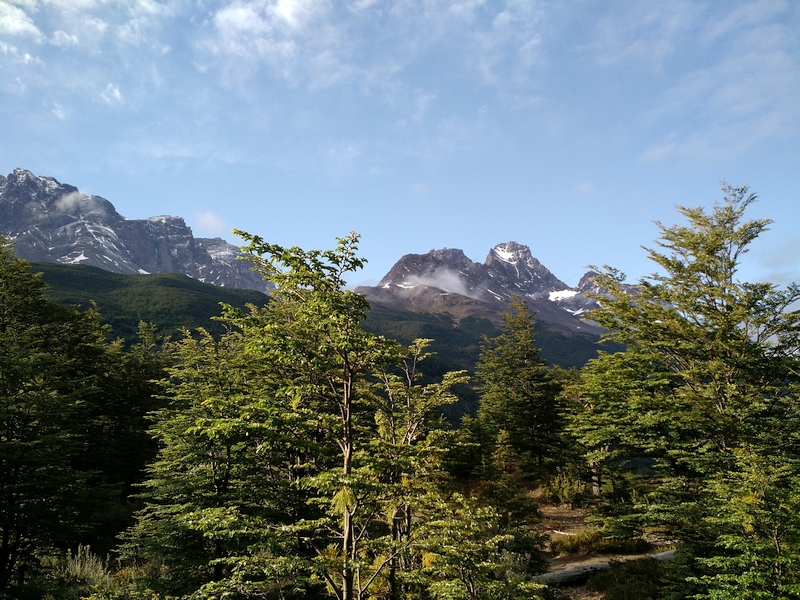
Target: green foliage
[
  {"x": 298, "y": 452},
  {"x": 54, "y": 391},
  {"x": 170, "y": 302},
  {"x": 630, "y": 580},
  {"x": 704, "y": 391},
  {"x": 519, "y": 397},
  {"x": 468, "y": 554},
  {"x": 223, "y": 478},
  {"x": 595, "y": 540},
  {"x": 566, "y": 487},
  {"x": 757, "y": 520}
]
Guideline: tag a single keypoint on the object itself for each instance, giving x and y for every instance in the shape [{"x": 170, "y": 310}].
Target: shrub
[
  {"x": 633, "y": 580},
  {"x": 596, "y": 540},
  {"x": 566, "y": 488}
]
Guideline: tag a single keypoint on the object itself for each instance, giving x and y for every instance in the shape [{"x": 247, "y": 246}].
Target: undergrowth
[
  {"x": 595, "y": 540},
  {"x": 632, "y": 580}
]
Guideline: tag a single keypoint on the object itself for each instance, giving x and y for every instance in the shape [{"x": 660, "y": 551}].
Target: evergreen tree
[
  {"x": 519, "y": 403},
  {"x": 708, "y": 377}
]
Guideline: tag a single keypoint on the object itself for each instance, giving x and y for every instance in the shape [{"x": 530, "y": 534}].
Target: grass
[{"x": 597, "y": 541}]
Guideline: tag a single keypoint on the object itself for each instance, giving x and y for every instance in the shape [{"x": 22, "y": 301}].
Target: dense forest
[{"x": 285, "y": 451}]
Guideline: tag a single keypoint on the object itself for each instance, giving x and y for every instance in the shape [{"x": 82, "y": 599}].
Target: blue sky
[{"x": 569, "y": 126}]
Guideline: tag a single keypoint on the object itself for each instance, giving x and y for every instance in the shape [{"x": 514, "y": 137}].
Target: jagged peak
[
  {"x": 587, "y": 281},
  {"x": 511, "y": 252},
  {"x": 20, "y": 175}
]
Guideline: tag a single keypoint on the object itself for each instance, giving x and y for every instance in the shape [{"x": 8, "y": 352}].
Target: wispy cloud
[
  {"x": 15, "y": 21},
  {"x": 584, "y": 188},
  {"x": 747, "y": 95},
  {"x": 781, "y": 262},
  {"x": 63, "y": 39},
  {"x": 210, "y": 223},
  {"x": 111, "y": 95},
  {"x": 445, "y": 280},
  {"x": 643, "y": 33}
]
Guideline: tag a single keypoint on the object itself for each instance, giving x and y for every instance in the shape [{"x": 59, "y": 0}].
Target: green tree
[
  {"x": 324, "y": 355},
  {"x": 710, "y": 370},
  {"x": 406, "y": 455},
  {"x": 51, "y": 362},
  {"x": 519, "y": 404},
  {"x": 301, "y": 455},
  {"x": 223, "y": 480}
]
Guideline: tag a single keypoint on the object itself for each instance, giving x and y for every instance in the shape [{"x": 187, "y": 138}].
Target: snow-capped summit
[
  {"x": 53, "y": 222},
  {"x": 447, "y": 281}
]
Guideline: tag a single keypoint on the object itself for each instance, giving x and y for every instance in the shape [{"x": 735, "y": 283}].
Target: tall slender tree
[{"x": 520, "y": 405}]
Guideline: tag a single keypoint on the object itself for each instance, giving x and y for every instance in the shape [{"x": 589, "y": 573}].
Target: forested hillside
[{"x": 294, "y": 453}]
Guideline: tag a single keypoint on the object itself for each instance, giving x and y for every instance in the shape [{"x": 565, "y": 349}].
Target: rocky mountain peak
[
  {"x": 510, "y": 252},
  {"x": 587, "y": 282},
  {"x": 447, "y": 281},
  {"x": 54, "y": 222},
  {"x": 515, "y": 261}
]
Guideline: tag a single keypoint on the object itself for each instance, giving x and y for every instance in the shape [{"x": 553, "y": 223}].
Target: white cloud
[
  {"x": 342, "y": 156},
  {"x": 296, "y": 12},
  {"x": 210, "y": 223},
  {"x": 743, "y": 98},
  {"x": 644, "y": 33},
  {"x": 59, "y": 111},
  {"x": 373, "y": 44},
  {"x": 780, "y": 261},
  {"x": 419, "y": 189},
  {"x": 445, "y": 280},
  {"x": 19, "y": 57},
  {"x": 111, "y": 94},
  {"x": 422, "y": 103},
  {"x": 63, "y": 39},
  {"x": 93, "y": 26},
  {"x": 149, "y": 7},
  {"x": 75, "y": 5},
  {"x": 14, "y": 21},
  {"x": 69, "y": 202},
  {"x": 746, "y": 15},
  {"x": 134, "y": 32}
]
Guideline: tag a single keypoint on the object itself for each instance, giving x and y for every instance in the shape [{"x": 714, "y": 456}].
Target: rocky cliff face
[
  {"x": 53, "y": 222},
  {"x": 447, "y": 281}
]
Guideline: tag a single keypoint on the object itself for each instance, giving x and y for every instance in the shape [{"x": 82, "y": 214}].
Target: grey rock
[
  {"x": 446, "y": 281},
  {"x": 49, "y": 221}
]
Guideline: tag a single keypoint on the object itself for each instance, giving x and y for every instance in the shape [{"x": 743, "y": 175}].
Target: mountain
[
  {"x": 446, "y": 281},
  {"x": 171, "y": 302},
  {"x": 168, "y": 301},
  {"x": 53, "y": 222}
]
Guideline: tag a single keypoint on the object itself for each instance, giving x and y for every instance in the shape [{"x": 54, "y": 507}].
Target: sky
[{"x": 569, "y": 126}]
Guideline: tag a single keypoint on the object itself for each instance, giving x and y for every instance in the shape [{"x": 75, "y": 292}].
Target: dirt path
[{"x": 560, "y": 521}]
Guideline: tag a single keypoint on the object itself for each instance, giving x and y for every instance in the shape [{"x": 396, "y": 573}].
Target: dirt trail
[{"x": 560, "y": 521}]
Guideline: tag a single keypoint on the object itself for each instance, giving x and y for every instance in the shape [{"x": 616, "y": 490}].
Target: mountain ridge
[
  {"x": 48, "y": 221},
  {"x": 447, "y": 281}
]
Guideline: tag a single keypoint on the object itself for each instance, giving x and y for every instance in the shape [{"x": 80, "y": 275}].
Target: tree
[
  {"x": 51, "y": 365},
  {"x": 709, "y": 376},
  {"x": 223, "y": 481},
  {"x": 406, "y": 456},
  {"x": 519, "y": 397},
  {"x": 295, "y": 451},
  {"x": 324, "y": 356}
]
